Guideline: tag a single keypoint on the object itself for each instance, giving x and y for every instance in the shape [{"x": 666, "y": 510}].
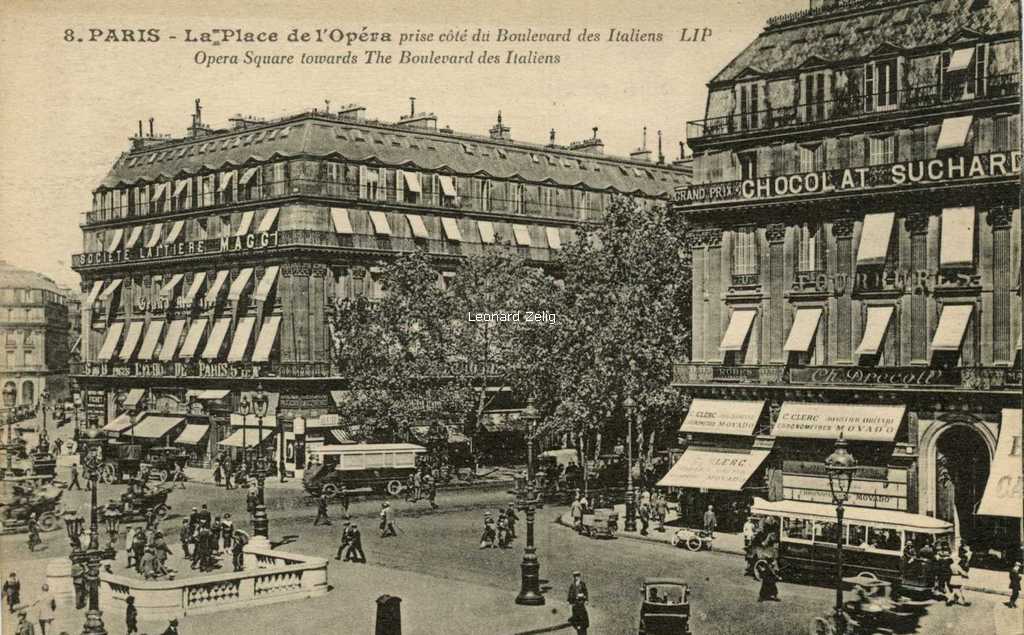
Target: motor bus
[
  {"x": 879, "y": 543},
  {"x": 380, "y": 467}
]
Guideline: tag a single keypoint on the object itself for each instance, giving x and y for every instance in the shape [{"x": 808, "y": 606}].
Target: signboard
[
  {"x": 722, "y": 416},
  {"x": 706, "y": 468},
  {"x": 827, "y": 421},
  {"x": 903, "y": 174},
  {"x": 876, "y": 494},
  {"x": 248, "y": 242},
  {"x": 1004, "y": 491},
  {"x": 894, "y": 376},
  {"x": 917, "y": 282},
  {"x": 172, "y": 369},
  {"x": 95, "y": 406}
]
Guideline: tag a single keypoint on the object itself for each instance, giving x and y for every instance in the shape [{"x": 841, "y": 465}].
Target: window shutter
[
  {"x": 382, "y": 184},
  {"x": 362, "y": 181},
  {"x": 399, "y": 185}
]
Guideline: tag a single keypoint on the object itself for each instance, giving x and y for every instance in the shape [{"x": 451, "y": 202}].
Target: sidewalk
[{"x": 981, "y": 580}]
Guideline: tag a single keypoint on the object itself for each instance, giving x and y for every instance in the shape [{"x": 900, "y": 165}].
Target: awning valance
[
  {"x": 94, "y": 293},
  {"x": 486, "y": 228},
  {"x": 380, "y": 223},
  {"x": 419, "y": 228},
  {"x": 209, "y": 394},
  {"x": 170, "y": 345},
  {"x": 154, "y": 237},
  {"x": 736, "y": 333},
  {"x": 521, "y": 233},
  {"x": 956, "y": 246},
  {"x": 238, "y": 284},
  {"x": 114, "y": 285},
  {"x": 119, "y": 424},
  {"x": 171, "y": 285},
  {"x": 874, "y": 238},
  {"x": 245, "y": 223},
  {"x": 240, "y": 342},
  {"x": 960, "y": 60},
  {"x": 215, "y": 342},
  {"x": 216, "y": 286},
  {"x": 340, "y": 437},
  {"x": 723, "y": 416},
  {"x": 451, "y": 229},
  {"x": 1005, "y": 486},
  {"x": 855, "y": 422},
  {"x": 268, "y": 220},
  {"x": 115, "y": 240},
  {"x": 181, "y": 186},
  {"x": 192, "y": 434},
  {"x": 175, "y": 233},
  {"x": 155, "y": 426},
  {"x": 133, "y": 397},
  {"x": 874, "y": 330},
  {"x": 954, "y": 131},
  {"x": 193, "y": 289},
  {"x": 447, "y": 185},
  {"x": 412, "y": 181},
  {"x": 949, "y": 334},
  {"x": 247, "y": 176},
  {"x": 805, "y": 324},
  {"x": 252, "y": 436},
  {"x": 133, "y": 237},
  {"x": 340, "y": 397},
  {"x": 554, "y": 240},
  {"x": 192, "y": 338},
  {"x": 131, "y": 340},
  {"x": 110, "y": 341},
  {"x": 341, "y": 220},
  {"x": 266, "y": 283},
  {"x": 225, "y": 180},
  {"x": 712, "y": 468},
  {"x": 266, "y": 338}
]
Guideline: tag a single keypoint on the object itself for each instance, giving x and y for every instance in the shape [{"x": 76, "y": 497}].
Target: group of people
[
  {"x": 499, "y": 533},
  {"x": 421, "y": 484},
  {"x": 226, "y": 472},
  {"x": 651, "y": 507},
  {"x": 947, "y": 573},
  {"x": 44, "y": 606},
  {"x": 204, "y": 540}
]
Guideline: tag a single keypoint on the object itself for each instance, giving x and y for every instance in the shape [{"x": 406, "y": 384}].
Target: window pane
[
  {"x": 884, "y": 539},
  {"x": 856, "y": 535}
]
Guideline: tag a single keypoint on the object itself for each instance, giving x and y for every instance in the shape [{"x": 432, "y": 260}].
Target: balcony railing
[
  {"x": 965, "y": 378},
  {"x": 850, "y": 105}
]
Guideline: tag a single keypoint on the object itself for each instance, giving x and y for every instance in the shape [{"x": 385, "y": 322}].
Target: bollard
[{"x": 389, "y": 615}]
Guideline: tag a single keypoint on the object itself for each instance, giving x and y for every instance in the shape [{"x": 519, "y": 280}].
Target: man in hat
[
  {"x": 73, "y": 483},
  {"x": 430, "y": 485},
  {"x": 12, "y": 591},
  {"x": 185, "y": 537},
  {"x": 33, "y": 533},
  {"x": 46, "y": 607},
  {"x": 321, "y": 509},
  {"x": 161, "y": 551},
  {"x": 512, "y": 518},
  {"x": 172, "y": 627},
  {"x": 193, "y": 520},
  {"x": 387, "y": 521},
  {"x": 205, "y": 518},
  {"x": 344, "y": 540},
  {"x": 1014, "y": 584},
  {"x": 343, "y": 498},
  {"x": 487, "y": 538},
  {"x": 227, "y": 530},
  {"x": 78, "y": 581},
  {"x": 237, "y": 551},
  {"x": 131, "y": 616},
  {"x": 355, "y": 545},
  {"x": 24, "y": 626},
  {"x": 577, "y": 599}
]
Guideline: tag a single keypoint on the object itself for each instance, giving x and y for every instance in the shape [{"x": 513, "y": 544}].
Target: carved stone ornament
[
  {"x": 319, "y": 270},
  {"x": 999, "y": 216},
  {"x": 775, "y": 233},
  {"x": 843, "y": 228},
  {"x": 916, "y": 223},
  {"x": 702, "y": 237}
]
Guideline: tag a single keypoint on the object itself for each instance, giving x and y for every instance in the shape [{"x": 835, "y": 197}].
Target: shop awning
[
  {"x": 192, "y": 434},
  {"x": 247, "y": 176},
  {"x": 154, "y": 238},
  {"x": 419, "y": 228},
  {"x": 251, "y": 421},
  {"x": 953, "y": 133},
  {"x": 723, "y": 416},
  {"x": 960, "y": 60},
  {"x": 215, "y": 342},
  {"x": 193, "y": 289},
  {"x": 340, "y": 397},
  {"x": 874, "y": 330},
  {"x": 266, "y": 284},
  {"x": 171, "y": 285},
  {"x": 554, "y": 240},
  {"x": 268, "y": 220},
  {"x": 380, "y": 223},
  {"x": 874, "y": 238},
  {"x": 342, "y": 223},
  {"x": 805, "y": 324},
  {"x": 114, "y": 285},
  {"x": 133, "y": 397},
  {"x": 949, "y": 334},
  {"x": 956, "y": 247},
  {"x": 252, "y": 437},
  {"x": 212, "y": 394},
  {"x": 447, "y": 185},
  {"x": 711, "y": 468},
  {"x": 121, "y": 423},
  {"x": 245, "y": 223},
  {"x": 160, "y": 191},
  {"x": 133, "y": 237},
  {"x": 195, "y": 334},
  {"x": 341, "y": 437},
  {"x": 486, "y": 228},
  {"x": 451, "y": 229},
  {"x": 175, "y": 233},
  {"x": 94, "y": 293},
  {"x": 265, "y": 340},
  {"x": 131, "y": 340},
  {"x": 151, "y": 339},
  {"x": 238, "y": 284},
  {"x": 170, "y": 345},
  {"x": 412, "y": 182},
  {"x": 1002, "y": 495},
  {"x": 522, "y": 234},
  {"x": 240, "y": 342},
  {"x": 739, "y": 326},
  {"x": 216, "y": 286},
  {"x": 225, "y": 180},
  {"x": 110, "y": 341},
  {"x": 115, "y": 240},
  {"x": 182, "y": 185},
  {"x": 802, "y": 420},
  {"x": 155, "y": 426}
]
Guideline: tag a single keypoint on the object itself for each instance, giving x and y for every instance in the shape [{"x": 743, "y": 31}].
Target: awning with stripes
[
  {"x": 170, "y": 345},
  {"x": 266, "y": 338}
]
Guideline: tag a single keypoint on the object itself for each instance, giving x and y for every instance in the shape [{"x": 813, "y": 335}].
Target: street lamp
[
  {"x": 530, "y": 417},
  {"x": 93, "y": 554},
  {"x": 629, "y": 406},
  {"x": 244, "y": 408},
  {"x": 529, "y": 587},
  {"x": 840, "y": 467},
  {"x": 260, "y": 522},
  {"x": 42, "y": 405}
]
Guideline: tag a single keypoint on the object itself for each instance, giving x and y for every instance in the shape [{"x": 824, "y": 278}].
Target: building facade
[
  {"x": 211, "y": 262},
  {"x": 33, "y": 338},
  {"x": 857, "y": 262}
]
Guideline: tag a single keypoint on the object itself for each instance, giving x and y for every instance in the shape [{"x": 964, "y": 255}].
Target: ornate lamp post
[
  {"x": 10, "y": 396},
  {"x": 529, "y": 588},
  {"x": 244, "y": 408},
  {"x": 530, "y": 416},
  {"x": 260, "y": 522},
  {"x": 629, "y": 406},
  {"x": 93, "y": 554},
  {"x": 42, "y": 406},
  {"x": 840, "y": 467}
]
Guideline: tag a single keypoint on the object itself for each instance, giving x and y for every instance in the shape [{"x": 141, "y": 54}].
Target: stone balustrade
[{"x": 269, "y": 576}]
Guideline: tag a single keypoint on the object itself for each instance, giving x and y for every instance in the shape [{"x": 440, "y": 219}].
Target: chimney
[
  {"x": 412, "y": 106},
  {"x": 642, "y": 153},
  {"x": 151, "y": 126},
  {"x": 352, "y": 111},
  {"x": 593, "y": 145},
  {"x": 551, "y": 137},
  {"x": 661, "y": 155},
  {"x": 140, "y": 128},
  {"x": 500, "y": 131},
  {"x": 419, "y": 121}
]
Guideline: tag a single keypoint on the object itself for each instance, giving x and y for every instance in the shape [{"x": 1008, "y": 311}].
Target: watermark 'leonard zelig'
[{"x": 546, "y": 317}]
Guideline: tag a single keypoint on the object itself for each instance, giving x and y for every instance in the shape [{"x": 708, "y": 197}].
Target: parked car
[{"x": 665, "y": 607}]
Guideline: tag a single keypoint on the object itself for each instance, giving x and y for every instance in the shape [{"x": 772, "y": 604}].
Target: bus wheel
[
  {"x": 759, "y": 568},
  {"x": 822, "y": 626},
  {"x": 108, "y": 474},
  {"x": 329, "y": 489},
  {"x": 394, "y": 487}
]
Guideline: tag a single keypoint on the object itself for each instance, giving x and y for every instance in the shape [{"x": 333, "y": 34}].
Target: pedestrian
[
  {"x": 488, "y": 538},
  {"x": 503, "y": 537},
  {"x": 12, "y": 591},
  {"x": 577, "y": 599},
  {"x": 78, "y": 582},
  {"x": 218, "y": 469},
  {"x": 178, "y": 476},
  {"x": 343, "y": 498},
  {"x": 33, "y": 533},
  {"x": 24, "y": 626},
  {"x": 74, "y": 484},
  {"x": 148, "y": 564},
  {"x": 710, "y": 521},
  {"x": 204, "y": 544},
  {"x": 749, "y": 531},
  {"x": 417, "y": 486},
  {"x": 172, "y": 627},
  {"x": 344, "y": 541},
  {"x": 129, "y": 540},
  {"x": 138, "y": 549},
  {"x": 321, "y": 509},
  {"x": 965, "y": 555},
  {"x": 131, "y": 616},
  {"x": 193, "y": 520},
  {"x": 215, "y": 530},
  {"x": 957, "y": 579},
  {"x": 227, "y": 474},
  {"x": 237, "y": 551},
  {"x": 510, "y": 515},
  {"x": 662, "y": 511},
  {"x": 769, "y": 583},
  {"x": 46, "y": 608},
  {"x": 185, "y": 537},
  {"x": 227, "y": 531},
  {"x": 1014, "y": 584},
  {"x": 431, "y": 484},
  {"x": 57, "y": 445},
  {"x": 645, "y": 516},
  {"x": 387, "y": 521},
  {"x": 355, "y": 545},
  {"x": 205, "y": 518},
  {"x": 576, "y": 511},
  {"x": 161, "y": 551}
]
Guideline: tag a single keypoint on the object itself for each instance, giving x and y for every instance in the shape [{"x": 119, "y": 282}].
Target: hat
[
  {"x": 385, "y": 504},
  {"x": 576, "y": 574},
  {"x": 174, "y": 621}
]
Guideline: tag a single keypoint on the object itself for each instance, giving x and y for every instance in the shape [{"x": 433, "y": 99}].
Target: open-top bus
[{"x": 378, "y": 466}]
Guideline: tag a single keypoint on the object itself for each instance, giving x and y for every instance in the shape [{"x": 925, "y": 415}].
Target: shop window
[
  {"x": 881, "y": 85},
  {"x": 881, "y": 150},
  {"x": 744, "y": 252},
  {"x": 810, "y": 242},
  {"x": 811, "y": 157}
]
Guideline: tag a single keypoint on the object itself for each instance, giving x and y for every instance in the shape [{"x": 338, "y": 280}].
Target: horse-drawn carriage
[{"x": 20, "y": 498}]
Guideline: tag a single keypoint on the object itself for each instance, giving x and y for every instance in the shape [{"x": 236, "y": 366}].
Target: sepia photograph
[{"x": 464, "y": 318}]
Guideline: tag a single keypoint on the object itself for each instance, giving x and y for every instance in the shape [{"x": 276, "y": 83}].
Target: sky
[{"x": 68, "y": 108}]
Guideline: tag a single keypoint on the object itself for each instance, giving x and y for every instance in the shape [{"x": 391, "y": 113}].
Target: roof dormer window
[{"x": 881, "y": 85}]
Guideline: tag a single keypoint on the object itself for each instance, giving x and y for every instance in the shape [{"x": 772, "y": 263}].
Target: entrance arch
[{"x": 963, "y": 457}]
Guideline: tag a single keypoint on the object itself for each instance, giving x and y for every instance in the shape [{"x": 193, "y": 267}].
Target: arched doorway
[{"x": 962, "y": 466}]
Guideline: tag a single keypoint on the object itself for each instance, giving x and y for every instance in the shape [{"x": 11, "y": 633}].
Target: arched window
[
  {"x": 28, "y": 393},
  {"x": 10, "y": 394}
]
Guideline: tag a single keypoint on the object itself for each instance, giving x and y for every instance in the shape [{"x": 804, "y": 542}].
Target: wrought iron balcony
[
  {"x": 852, "y": 104},
  {"x": 964, "y": 378}
]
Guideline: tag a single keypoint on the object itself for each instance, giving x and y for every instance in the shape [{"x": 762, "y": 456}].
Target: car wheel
[
  {"x": 108, "y": 474},
  {"x": 48, "y": 522},
  {"x": 693, "y": 543},
  {"x": 822, "y": 626},
  {"x": 161, "y": 476},
  {"x": 330, "y": 490},
  {"x": 868, "y": 574},
  {"x": 394, "y": 487}
]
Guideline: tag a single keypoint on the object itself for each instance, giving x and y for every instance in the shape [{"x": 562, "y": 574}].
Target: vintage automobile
[
  {"x": 24, "y": 496},
  {"x": 872, "y": 611},
  {"x": 878, "y": 542},
  {"x": 380, "y": 467},
  {"x": 665, "y": 608},
  {"x": 602, "y": 523},
  {"x": 692, "y": 539},
  {"x": 140, "y": 499},
  {"x": 159, "y": 462}
]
